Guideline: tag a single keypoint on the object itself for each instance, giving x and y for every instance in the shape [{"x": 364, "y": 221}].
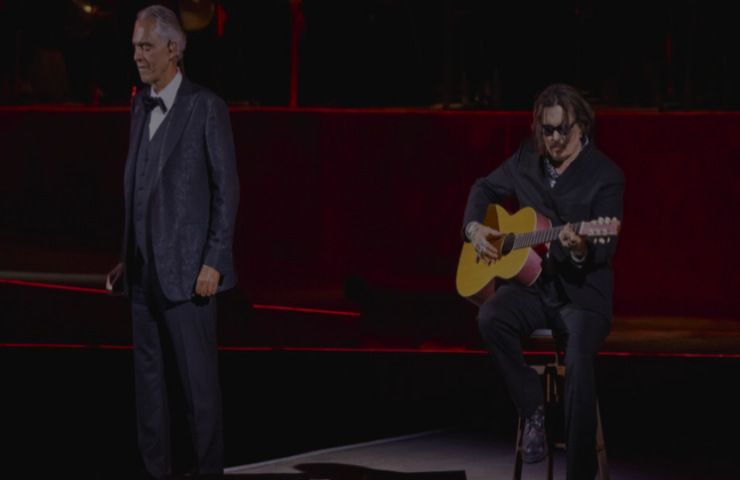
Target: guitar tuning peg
[
  {"x": 608, "y": 239},
  {"x": 607, "y": 220},
  {"x": 602, "y": 241},
  {"x": 601, "y": 220}
]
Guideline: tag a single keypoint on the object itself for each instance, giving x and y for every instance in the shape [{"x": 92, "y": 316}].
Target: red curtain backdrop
[{"x": 335, "y": 196}]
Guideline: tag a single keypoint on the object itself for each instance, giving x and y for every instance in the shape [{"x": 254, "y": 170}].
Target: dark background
[{"x": 377, "y": 53}]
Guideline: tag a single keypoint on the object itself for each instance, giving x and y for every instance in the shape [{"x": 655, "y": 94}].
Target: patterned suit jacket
[{"x": 194, "y": 195}]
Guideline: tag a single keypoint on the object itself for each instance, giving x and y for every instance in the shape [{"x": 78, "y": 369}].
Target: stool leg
[
  {"x": 518, "y": 457},
  {"x": 551, "y": 396},
  {"x": 601, "y": 447}
]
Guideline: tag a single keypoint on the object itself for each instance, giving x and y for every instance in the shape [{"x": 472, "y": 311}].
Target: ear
[{"x": 172, "y": 50}]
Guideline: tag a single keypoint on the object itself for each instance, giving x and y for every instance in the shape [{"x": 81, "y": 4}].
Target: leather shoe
[{"x": 534, "y": 440}]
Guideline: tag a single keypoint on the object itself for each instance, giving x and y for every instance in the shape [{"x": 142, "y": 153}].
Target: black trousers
[
  {"x": 187, "y": 332},
  {"x": 512, "y": 314}
]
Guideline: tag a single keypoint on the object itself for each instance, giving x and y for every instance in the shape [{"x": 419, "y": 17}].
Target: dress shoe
[{"x": 534, "y": 441}]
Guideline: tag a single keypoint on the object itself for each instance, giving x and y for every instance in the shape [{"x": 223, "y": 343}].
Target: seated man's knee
[{"x": 493, "y": 327}]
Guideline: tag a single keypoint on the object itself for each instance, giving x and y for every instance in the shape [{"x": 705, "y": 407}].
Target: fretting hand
[{"x": 571, "y": 241}]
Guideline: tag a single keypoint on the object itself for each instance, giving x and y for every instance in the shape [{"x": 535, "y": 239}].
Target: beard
[{"x": 557, "y": 154}]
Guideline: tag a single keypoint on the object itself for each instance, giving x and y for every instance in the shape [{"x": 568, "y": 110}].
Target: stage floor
[
  {"x": 72, "y": 410},
  {"x": 455, "y": 455}
]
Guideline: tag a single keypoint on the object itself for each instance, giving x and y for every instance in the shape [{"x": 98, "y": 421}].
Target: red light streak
[
  {"x": 52, "y": 286},
  {"x": 425, "y": 351},
  {"x": 306, "y": 310}
]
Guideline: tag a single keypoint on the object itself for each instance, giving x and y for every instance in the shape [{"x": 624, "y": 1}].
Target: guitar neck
[{"x": 530, "y": 239}]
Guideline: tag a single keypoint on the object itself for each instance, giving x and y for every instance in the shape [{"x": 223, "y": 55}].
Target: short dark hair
[{"x": 572, "y": 103}]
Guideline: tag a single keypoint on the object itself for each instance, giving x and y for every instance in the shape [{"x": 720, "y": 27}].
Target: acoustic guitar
[{"x": 526, "y": 237}]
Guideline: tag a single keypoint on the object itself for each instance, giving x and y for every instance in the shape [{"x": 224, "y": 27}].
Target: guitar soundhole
[{"x": 508, "y": 244}]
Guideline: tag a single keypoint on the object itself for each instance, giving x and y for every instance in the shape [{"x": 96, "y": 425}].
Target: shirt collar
[{"x": 169, "y": 92}]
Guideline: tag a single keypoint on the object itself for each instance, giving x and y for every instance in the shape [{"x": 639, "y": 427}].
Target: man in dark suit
[
  {"x": 181, "y": 196},
  {"x": 563, "y": 176}
]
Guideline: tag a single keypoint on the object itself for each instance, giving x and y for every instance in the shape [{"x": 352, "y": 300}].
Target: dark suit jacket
[
  {"x": 194, "y": 196},
  {"x": 591, "y": 187}
]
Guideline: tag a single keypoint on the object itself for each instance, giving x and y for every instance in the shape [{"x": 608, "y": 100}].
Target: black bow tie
[{"x": 150, "y": 103}]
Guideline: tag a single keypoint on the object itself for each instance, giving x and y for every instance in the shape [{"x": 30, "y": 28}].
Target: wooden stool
[{"x": 553, "y": 374}]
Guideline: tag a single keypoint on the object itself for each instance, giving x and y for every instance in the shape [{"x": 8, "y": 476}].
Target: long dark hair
[{"x": 572, "y": 103}]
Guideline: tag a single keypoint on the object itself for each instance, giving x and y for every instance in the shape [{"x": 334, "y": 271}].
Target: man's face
[
  {"x": 154, "y": 56},
  {"x": 562, "y": 140}
]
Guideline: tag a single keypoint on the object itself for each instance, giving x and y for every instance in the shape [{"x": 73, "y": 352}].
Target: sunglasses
[{"x": 563, "y": 130}]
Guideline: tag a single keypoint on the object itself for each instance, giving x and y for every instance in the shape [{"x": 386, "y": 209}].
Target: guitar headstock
[{"x": 600, "y": 230}]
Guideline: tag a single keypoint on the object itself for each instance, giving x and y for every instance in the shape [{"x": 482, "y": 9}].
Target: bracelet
[{"x": 470, "y": 229}]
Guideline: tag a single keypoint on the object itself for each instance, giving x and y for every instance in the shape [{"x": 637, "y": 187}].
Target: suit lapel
[
  {"x": 178, "y": 119},
  {"x": 567, "y": 185},
  {"x": 573, "y": 173}
]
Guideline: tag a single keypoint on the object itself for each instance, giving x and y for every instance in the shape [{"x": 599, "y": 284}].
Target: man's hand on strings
[{"x": 482, "y": 238}]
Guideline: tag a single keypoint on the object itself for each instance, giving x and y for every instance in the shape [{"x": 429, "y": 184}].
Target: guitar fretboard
[{"x": 529, "y": 239}]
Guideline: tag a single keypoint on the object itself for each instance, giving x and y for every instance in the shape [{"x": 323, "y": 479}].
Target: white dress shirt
[{"x": 168, "y": 95}]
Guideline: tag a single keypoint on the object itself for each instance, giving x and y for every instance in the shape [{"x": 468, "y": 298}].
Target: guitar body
[{"x": 476, "y": 280}]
